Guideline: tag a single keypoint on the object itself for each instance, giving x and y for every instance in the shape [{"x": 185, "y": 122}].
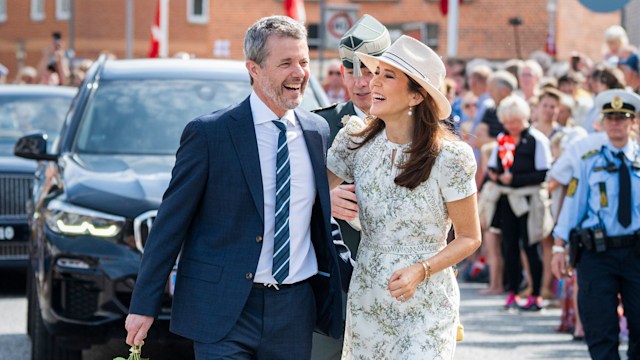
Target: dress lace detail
[{"x": 399, "y": 228}]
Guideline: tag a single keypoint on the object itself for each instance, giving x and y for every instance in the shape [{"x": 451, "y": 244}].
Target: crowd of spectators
[{"x": 520, "y": 116}]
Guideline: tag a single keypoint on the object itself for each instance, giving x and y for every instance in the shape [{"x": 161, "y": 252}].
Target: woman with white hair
[
  {"x": 617, "y": 43},
  {"x": 413, "y": 181},
  {"x": 517, "y": 169}
]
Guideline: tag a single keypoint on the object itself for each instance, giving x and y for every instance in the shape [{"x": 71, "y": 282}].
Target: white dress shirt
[{"x": 302, "y": 262}]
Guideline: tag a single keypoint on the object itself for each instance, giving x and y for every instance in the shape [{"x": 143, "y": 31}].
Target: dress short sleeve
[
  {"x": 340, "y": 159},
  {"x": 457, "y": 169}
]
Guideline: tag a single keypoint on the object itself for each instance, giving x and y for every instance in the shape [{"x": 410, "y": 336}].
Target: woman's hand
[
  {"x": 404, "y": 282},
  {"x": 492, "y": 175},
  {"x": 506, "y": 178}
]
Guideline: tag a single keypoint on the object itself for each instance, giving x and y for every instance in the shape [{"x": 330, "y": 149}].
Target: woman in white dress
[{"x": 413, "y": 181}]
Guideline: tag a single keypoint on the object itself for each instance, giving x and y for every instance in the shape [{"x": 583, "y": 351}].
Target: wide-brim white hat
[{"x": 419, "y": 62}]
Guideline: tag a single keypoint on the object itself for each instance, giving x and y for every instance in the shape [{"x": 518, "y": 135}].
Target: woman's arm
[{"x": 466, "y": 223}]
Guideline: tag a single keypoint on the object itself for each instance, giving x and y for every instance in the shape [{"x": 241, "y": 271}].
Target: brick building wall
[
  {"x": 484, "y": 29},
  {"x": 631, "y": 21},
  {"x": 582, "y": 30}
]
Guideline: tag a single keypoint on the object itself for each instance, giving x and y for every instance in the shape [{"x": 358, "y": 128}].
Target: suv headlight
[{"x": 64, "y": 218}]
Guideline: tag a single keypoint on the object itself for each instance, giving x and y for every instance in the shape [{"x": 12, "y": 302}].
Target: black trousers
[
  {"x": 601, "y": 277},
  {"x": 514, "y": 238}
]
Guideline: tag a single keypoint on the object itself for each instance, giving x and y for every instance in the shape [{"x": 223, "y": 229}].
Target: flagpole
[
  {"x": 321, "y": 32},
  {"x": 164, "y": 29},
  {"x": 452, "y": 35},
  {"x": 129, "y": 29}
]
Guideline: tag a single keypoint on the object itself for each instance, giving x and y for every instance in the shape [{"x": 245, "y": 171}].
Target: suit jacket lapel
[
  {"x": 243, "y": 136},
  {"x": 317, "y": 152}
]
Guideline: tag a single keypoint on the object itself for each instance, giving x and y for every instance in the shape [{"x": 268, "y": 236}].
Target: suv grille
[
  {"x": 15, "y": 190},
  {"x": 142, "y": 226},
  {"x": 14, "y": 250}
]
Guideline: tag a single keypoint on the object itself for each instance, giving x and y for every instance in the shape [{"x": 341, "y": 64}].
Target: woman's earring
[{"x": 410, "y": 113}]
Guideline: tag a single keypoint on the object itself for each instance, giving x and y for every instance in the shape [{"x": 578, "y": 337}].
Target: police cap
[{"x": 618, "y": 101}]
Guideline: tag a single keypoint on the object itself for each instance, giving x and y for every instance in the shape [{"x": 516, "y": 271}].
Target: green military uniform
[
  {"x": 334, "y": 115},
  {"x": 367, "y": 35}
]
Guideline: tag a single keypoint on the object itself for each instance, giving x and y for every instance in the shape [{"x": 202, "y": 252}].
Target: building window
[
  {"x": 37, "y": 10},
  {"x": 198, "y": 11},
  {"x": 63, "y": 9},
  {"x": 3, "y": 10}
]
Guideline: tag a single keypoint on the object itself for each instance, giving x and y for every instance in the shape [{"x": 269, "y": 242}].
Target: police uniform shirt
[
  {"x": 568, "y": 163},
  {"x": 592, "y": 194}
]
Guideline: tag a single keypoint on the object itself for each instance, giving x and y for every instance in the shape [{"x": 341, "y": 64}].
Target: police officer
[
  {"x": 367, "y": 35},
  {"x": 601, "y": 211}
]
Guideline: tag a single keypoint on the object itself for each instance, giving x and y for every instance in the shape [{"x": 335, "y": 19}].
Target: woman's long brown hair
[{"x": 426, "y": 142}]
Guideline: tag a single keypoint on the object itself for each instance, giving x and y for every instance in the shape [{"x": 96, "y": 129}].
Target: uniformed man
[
  {"x": 600, "y": 218},
  {"x": 367, "y": 35}
]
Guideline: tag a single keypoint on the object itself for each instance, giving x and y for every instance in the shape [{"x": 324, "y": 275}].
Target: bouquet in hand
[{"x": 135, "y": 351}]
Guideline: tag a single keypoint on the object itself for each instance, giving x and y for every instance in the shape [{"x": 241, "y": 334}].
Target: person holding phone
[{"x": 54, "y": 67}]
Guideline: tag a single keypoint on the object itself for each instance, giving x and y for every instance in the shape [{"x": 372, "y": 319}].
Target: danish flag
[
  {"x": 154, "y": 41},
  {"x": 295, "y": 10}
]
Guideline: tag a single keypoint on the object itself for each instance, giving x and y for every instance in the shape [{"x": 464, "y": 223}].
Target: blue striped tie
[{"x": 281, "y": 255}]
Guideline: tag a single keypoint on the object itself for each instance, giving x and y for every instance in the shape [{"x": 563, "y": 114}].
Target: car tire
[{"x": 43, "y": 344}]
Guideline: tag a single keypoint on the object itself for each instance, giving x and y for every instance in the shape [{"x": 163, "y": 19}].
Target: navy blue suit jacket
[{"x": 213, "y": 211}]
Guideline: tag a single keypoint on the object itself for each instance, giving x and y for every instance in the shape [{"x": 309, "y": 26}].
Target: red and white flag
[
  {"x": 295, "y": 10},
  {"x": 154, "y": 41}
]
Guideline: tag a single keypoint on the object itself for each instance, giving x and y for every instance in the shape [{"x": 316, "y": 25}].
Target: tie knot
[
  {"x": 620, "y": 155},
  {"x": 282, "y": 126}
]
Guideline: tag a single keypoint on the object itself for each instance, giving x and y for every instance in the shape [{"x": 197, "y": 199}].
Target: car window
[
  {"x": 148, "y": 116},
  {"x": 19, "y": 116}
]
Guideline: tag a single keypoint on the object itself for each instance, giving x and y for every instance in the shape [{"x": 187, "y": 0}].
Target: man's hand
[
  {"x": 344, "y": 204},
  {"x": 137, "y": 327},
  {"x": 559, "y": 265}
]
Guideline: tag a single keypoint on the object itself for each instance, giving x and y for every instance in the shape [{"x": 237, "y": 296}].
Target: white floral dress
[{"x": 400, "y": 227}]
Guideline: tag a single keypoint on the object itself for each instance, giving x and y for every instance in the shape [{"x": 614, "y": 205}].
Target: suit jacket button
[
  {"x": 258, "y": 238},
  {"x": 249, "y": 276}
]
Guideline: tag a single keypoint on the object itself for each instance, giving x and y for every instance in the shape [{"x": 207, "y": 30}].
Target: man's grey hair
[{"x": 255, "y": 40}]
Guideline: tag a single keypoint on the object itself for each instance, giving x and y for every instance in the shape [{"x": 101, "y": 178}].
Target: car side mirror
[{"x": 33, "y": 146}]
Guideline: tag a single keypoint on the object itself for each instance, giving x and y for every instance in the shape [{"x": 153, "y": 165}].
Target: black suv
[
  {"x": 23, "y": 109},
  {"x": 99, "y": 188}
]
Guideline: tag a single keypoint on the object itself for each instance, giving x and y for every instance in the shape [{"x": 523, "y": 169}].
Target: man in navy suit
[{"x": 235, "y": 296}]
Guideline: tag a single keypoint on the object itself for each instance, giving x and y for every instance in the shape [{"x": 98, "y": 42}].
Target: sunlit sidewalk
[{"x": 492, "y": 333}]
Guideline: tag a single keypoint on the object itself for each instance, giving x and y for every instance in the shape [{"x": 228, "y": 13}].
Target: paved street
[{"x": 489, "y": 332}]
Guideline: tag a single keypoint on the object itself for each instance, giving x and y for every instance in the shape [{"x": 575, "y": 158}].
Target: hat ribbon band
[{"x": 405, "y": 65}]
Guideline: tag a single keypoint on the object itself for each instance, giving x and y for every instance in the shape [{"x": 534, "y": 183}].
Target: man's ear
[{"x": 252, "y": 67}]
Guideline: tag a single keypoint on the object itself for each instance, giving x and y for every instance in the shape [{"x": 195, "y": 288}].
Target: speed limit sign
[{"x": 338, "y": 19}]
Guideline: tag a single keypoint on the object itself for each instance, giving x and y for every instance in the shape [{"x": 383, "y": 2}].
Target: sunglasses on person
[
  {"x": 334, "y": 72},
  {"x": 469, "y": 105}
]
